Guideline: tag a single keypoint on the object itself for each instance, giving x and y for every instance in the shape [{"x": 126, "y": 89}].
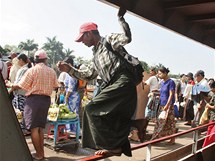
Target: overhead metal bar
[
  {"x": 202, "y": 17},
  {"x": 184, "y": 3},
  {"x": 209, "y": 27}
]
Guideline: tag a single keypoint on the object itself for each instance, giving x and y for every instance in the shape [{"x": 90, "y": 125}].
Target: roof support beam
[
  {"x": 192, "y": 18},
  {"x": 208, "y": 27},
  {"x": 185, "y": 3},
  {"x": 204, "y": 17}
]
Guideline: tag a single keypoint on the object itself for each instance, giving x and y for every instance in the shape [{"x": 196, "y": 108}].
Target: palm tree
[
  {"x": 28, "y": 46},
  {"x": 11, "y": 48},
  {"x": 54, "y": 50},
  {"x": 3, "y": 51},
  {"x": 145, "y": 66},
  {"x": 159, "y": 65},
  {"x": 68, "y": 52}
]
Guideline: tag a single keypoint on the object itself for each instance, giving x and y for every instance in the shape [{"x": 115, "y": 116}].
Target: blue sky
[{"x": 37, "y": 19}]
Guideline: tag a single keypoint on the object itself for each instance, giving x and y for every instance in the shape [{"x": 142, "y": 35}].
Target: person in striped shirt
[{"x": 107, "y": 118}]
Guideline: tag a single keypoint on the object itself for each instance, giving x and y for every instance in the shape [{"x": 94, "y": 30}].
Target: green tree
[
  {"x": 3, "y": 51},
  {"x": 54, "y": 50},
  {"x": 12, "y": 48},
  {"x": 159, "y": 66},
  {"x": 176, "y": 76},
  {"x": 145, "y": 66},
  {"x": 28, "y": 46},
  {"x": 68, "y": 52}
]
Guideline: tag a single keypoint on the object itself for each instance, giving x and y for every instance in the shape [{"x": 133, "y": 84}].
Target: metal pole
[
  {"x": 195, "y": 140},
  {"x": 148, "y": 152}
]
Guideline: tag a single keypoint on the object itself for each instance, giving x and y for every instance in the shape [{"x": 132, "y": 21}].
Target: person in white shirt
[
  {"x": 179, "y": 91},
  {"x": 152, "y": 105},
  {"x": 188, "y": 110},
  {"x": 199, "y": 93},
  {"x": 14, "y": 69}
]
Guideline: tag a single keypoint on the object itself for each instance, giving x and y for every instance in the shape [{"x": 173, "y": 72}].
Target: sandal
[
  {"x": 134, "y": 136},
  {"x": 35, "y": 157},
  {"x": 115, "y": 152},
  {"x": 26, "y": 132}
]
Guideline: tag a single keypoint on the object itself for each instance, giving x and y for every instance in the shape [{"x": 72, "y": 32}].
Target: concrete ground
[{"x": 74, "y": 151}]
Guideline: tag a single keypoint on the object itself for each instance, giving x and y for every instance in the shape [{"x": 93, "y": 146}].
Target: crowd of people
[
  {"x": 30, "y": 86},
  {"x": 170, "y": 101},
  {"x": 108, "y": 118}
]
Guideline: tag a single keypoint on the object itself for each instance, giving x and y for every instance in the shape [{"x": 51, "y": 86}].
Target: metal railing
[{"x": 149, "y": 143}]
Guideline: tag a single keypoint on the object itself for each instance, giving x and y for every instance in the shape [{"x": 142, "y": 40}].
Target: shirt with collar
[
  {"x": 104, "y": 62},
  {"x": 40, "y": 80}
]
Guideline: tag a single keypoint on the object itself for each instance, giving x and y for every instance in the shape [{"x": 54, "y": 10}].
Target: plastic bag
[
  {"x": 53, "y": 113},
  {"x": 162, "y": 115},
  {"x": 204, "y": 118},
  {"x": 19, "y": 114}
]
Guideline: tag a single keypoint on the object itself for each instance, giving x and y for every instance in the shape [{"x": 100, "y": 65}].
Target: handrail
[
  {"x": 141, "y": 145},
  {"x": 169, "y": 137}
]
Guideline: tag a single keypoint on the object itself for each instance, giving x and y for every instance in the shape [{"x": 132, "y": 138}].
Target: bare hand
[
  {"x": 165, "y": 108},
  {"x": 121, "y": 12},
  {"x": 199, "y": 108},
  {"x": 63, "y": 66}
]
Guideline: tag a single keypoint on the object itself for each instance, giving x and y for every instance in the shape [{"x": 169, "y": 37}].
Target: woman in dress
[
  {"x": 167, "y": 125},
  {"x": 72, "y": 98},
  {"x": 18, "y": 101}
]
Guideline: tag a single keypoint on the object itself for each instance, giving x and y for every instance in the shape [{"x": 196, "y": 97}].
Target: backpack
[{"x": 132, "y": 64}]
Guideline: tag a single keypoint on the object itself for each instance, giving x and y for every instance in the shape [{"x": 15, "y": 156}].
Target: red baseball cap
[
  {"x": 89, "y": 26},
  {"x": 40, "y": 54}
]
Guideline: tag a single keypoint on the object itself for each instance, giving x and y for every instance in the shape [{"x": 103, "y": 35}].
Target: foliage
[
  {"x": 12, "y": 48},
  {"x": 3, "y": 51},
  {"x": 28, "y": 46},
  {"x": 176, "y": 76},
  {"x": 54, "y": 50},
  {"x": 68, "y": 52},
  {"x": 159, "y": 65},
  {"x": 145, "y": 66}
]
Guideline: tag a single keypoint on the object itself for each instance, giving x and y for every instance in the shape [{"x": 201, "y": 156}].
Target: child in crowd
[{"x": 61, "y": 94}]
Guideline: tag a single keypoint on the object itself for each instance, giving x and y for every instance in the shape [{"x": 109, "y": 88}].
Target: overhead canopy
[{"x": 194, "y": 19}]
